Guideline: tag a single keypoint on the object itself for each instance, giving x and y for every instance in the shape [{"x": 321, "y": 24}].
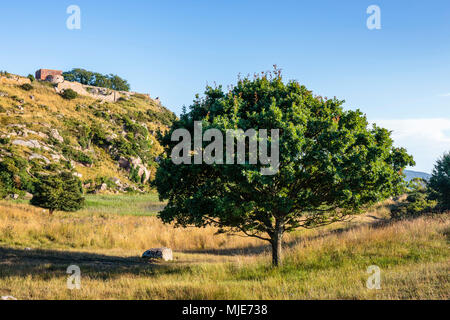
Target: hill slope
[
  {"x": 110, "y": 146},
  {"x": 416, "y": 174}
]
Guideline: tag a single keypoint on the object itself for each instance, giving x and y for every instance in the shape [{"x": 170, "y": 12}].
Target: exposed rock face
[
  {"x": 94, "y": 92},
  {"x": 39, "y": 157},
  {"x": 137, "y": 164},
  {"x": 111, "y": 137},
  {"x": 124, "y": 163},
  {"x": 25, "y": 132},
  {"x": 117, "y": 182},
  {"x": 55, "y": 135},
  {"x": 57, "y": 157},
  {"x": 29, "y": 144},
  {"x": 78, "y": 175},
  {"x": 55, "y": 79},
  {"x": 28, "y": 196},
  {"x": 158, "y": 253}
]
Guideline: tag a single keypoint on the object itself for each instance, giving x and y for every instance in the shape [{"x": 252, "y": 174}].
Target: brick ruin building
[{"x": 42, "y": 74}]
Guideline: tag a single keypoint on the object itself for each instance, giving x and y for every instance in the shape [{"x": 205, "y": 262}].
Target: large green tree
[
  {"x": 58, "y": 192},
  {"x": 332, "y": 163},
  {"x": 439, "y": 184}
]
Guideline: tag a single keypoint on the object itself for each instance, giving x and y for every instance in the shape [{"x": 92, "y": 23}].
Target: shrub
[
  {"x": 27, "y": 87},
  {"x": 3, "y": 191},
  {"x": 105, "y": 180},
  {"x": 5, "y": 140},
  {"x": 439, "y": 184},
  {"x": 124, "y": 147},
  {"x": 14, "y": 176},
  {"x": 166, "y": 117},
  {"x": 134, "y": 175},
  {"x": 133, "y": 127},
  {"x": 62, "y": 192},
  {"x": 69, "y": 94},
  {"x": 31, "y": 77},
  {"x": 99, "y": 136},
  {"x": 416, "y": 203},
  {"x": 77, "y": 155}
]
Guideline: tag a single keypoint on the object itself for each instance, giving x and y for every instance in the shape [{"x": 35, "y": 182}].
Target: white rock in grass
[
  {"x": 158, "y": 253},
  {"x": 55, "y": 135},
  {"x": 8, "y": 298}
]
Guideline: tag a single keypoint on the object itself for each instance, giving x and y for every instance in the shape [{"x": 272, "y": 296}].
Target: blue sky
[{"x": 399, "y": 75}]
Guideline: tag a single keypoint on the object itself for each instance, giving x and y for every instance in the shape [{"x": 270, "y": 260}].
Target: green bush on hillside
[
  {"x": 69, "y": 94},
  {"x": 166, "y": 117},
  {"x": 77, "y": 155},
  {"x": 14, "y": 177},
  {"x": 416, "y": 203},
  {"x": 27, "y": 87}
]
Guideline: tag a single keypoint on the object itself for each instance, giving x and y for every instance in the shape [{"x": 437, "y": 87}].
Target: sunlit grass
[
  {"x": 127, "y": 204},
  {"x": 327, "y": 263}
]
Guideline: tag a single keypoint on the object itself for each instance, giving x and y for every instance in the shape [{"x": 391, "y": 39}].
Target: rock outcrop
[
  {"x": 135, "y": 163},
  {"x": 159, "y": 254},
  {"x": 55, "y": 135}
]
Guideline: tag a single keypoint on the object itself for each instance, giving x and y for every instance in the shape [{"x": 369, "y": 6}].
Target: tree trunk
[{"x": 277, "y": 239}]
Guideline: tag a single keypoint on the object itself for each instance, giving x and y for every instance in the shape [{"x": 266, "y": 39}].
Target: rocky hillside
[{"x": 112, "y": 147}]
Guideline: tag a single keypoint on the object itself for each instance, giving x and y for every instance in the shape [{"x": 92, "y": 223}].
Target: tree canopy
[
  {"x": 110, "y": 81},
  {"x": 59, "y": 192},
  {"x": 439, "y": 184},
  {"x": 332, "y": 163}
]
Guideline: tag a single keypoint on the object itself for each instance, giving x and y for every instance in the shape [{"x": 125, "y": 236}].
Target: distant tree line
[{"x": 110, "y": 81}]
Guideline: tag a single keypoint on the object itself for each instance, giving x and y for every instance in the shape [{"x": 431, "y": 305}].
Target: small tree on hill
[
  {"x": 332, "y": 163},
  {"x": 439, "y": 184},
  {"x": 60, "y": 192}
]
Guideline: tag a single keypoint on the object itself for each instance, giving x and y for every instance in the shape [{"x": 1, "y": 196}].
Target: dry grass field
[{"x": 327, "y": 263}]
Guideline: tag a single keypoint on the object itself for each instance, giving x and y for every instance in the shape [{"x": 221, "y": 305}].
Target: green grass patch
[{"x": 126, "y": 204}]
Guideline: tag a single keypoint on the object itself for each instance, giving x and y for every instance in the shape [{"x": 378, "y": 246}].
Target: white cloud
[
  {"x": 425, "y": 139},
  {"x": 445, "y": 95}
]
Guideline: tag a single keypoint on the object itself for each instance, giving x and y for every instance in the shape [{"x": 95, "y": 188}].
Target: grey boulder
[{"x": 158, "y": 253}]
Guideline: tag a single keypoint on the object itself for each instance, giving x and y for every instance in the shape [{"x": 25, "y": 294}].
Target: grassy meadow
[
  {"x": 126, "y": 204},
  {"x": 107, "y": 238}
]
